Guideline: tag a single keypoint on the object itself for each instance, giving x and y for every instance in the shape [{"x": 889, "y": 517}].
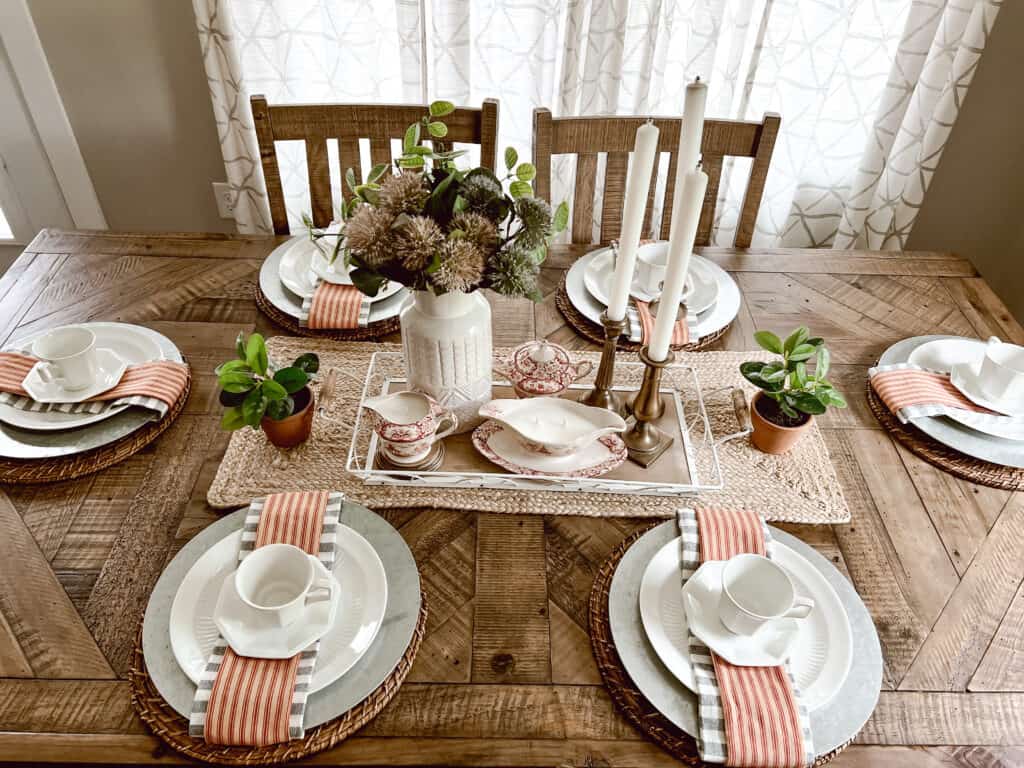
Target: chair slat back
[
  {"x": 588, "y": 137},
  {"x": 314, "y": 124}
]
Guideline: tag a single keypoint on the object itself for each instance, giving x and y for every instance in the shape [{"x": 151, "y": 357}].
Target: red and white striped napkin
[
  {"x": 749, "y": 716},
  {"x": 910, "y": 391},
  {"x": 154, "y": 386},
  {"x": 680, "y": 332},
  {"x": 242, "y": 701},
  {"x": 335, "y": 306}
]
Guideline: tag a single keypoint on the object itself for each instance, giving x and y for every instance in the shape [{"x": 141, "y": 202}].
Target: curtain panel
[{"x": 868, "y": 90}]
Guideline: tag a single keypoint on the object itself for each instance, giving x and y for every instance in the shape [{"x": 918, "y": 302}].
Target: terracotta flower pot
[
  {"x": 289, "y": 432},
  {"x": 769, "y": 436}
]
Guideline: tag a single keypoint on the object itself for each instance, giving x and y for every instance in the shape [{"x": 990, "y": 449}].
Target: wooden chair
[
  {"x": 586, "y": 137},
  {"x": 348, "y": 123}
]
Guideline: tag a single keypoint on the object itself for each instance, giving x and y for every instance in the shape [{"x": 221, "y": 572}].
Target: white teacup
[
  {"x": 651, "y": 265},
  {"x": 756, "y": 590},
  {"x": 281, "y": 580},
  {"x": 68, "y": 357},
  {"x": 1002, "y": 371}
]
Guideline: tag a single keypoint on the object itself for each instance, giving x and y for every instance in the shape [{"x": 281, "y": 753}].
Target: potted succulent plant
[
  {"x": 276, "y": 400},
  {"x": 791, "y": 393}
]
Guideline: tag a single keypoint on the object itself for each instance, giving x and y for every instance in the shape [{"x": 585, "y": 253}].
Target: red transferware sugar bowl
[{"x": 541, "y": 369}]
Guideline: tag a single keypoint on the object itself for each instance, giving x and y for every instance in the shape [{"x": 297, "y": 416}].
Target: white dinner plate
[
  {"x": 700, "y": 296},
  {"x": 715, "y": 319},
  {"x": 291, "y": 304},
  {"x": 824, "y": 648},
  {"x": 133, "y": 343},
  {"x": 364, "y": 594},
  {"x": 296, "y": 272}
]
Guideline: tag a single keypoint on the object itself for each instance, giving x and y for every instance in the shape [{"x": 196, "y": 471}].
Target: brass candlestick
[
  {"x": 644, "y": 441},
  {"x": 603, "y": 395}
]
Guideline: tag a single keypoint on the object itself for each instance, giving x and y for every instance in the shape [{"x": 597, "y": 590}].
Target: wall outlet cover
[{"x": 225, "y": 197}]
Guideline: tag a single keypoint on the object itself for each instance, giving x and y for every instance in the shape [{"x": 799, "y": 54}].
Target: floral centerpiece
[{"x": 444, "y": 232}]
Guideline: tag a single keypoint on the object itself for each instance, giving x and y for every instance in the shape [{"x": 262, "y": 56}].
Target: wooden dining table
[{"x": 505, "y": 674}]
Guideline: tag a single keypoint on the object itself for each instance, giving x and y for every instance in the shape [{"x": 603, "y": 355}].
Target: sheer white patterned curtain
[{"x": 868, "y": 89}]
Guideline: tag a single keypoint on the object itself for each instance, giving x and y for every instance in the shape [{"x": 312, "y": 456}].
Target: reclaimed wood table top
[{"x": 505, "y": 675}]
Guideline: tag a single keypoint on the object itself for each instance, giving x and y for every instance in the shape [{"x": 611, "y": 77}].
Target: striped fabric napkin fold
[
  {"x": 910, "y": 391},
  {"x": 153, "y": 386},
  {"x": 242, "y": 701},
  {"x": 748, "y": 716},
  {"x": 680, "y": 332},
  {"x": 335, "y": 306}
]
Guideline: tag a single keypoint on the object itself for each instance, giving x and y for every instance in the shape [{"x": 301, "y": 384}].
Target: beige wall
[
  {"x": 975, "y": 204},
  {"x": 131, "y": 77}
]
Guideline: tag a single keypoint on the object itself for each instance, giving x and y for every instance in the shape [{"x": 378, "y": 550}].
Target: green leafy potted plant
[
  {"x": 254, "y": 394},
  {"x": 791, "y": 393}
]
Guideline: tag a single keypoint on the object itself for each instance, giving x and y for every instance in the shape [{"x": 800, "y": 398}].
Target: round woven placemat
[
  {"x": 57, "y": 468},
  {"x": 588, "y": 329},
  {"x": 627, "y": 697},
  {"x": 172, "y": 728},
  {"x": 942, "y": 456},
  {"x": 371, "y": 332}
]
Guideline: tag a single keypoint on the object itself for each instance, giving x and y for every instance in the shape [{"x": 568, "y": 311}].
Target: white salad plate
[
  {"x": 961, "y": 358},
  {"x": 699, "y": 294},
  {"x": 291, "y": 303},
  {"x": 714, "y": 319},
  {"x": 109, "y": 370},
  {"x": 253, "y": 633},
  {"x": 770, "y": 646},
  {"x": 821, "y": 656},
  {"x": 297, "y": 272},
  {"x": 504, "y": 447},
  {"x": 134, "y": 344},
  {"x": 363, "y": 600}
]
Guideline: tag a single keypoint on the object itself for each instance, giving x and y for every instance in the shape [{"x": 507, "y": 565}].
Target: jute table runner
[{"x": 799, "y": 487}]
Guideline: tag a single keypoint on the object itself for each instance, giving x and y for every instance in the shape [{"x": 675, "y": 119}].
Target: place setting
[
  {"x": 957, "y": 402},
  {"x": 278, "y": 631},
  {"x": 305, "y": 286},
  {"x": 78, "y": 398},
  {"x": 697, "y": 619}
]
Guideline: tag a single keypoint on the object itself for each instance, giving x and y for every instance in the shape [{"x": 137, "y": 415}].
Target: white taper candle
[
  {"x": 693, "y": 128},
  {"x": 634, "y": 206},
  {"x": 686, "y": 208}
]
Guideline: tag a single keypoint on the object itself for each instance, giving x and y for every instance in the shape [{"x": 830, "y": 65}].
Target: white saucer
[
  {"x": 823, "y": 653},
  {"x": 769, "y": 646},
  {"x": 252, "y": 633},
  {"x": 501, "y": 446},
  {"x": 965, "y": 377},
  {"x": 110, "y": 367},
  {"x": 299, "y": 275},
  {"x": 942, "y": 354},
  {"x": 699, "y": 294},
  {"x": 364, "y": 596}
]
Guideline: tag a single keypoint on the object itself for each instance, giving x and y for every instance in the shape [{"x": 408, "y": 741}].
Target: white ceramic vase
[{"x": 447, "y": 344}]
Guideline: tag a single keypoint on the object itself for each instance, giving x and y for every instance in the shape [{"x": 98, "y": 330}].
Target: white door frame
[{"x": 39, "y": 91}]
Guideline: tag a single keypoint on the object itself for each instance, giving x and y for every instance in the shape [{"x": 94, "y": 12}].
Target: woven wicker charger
[
  {"x": 627, "y": 697},
  {"x": 942, "y": 456},
  {"x": 172, "y": 728},
  {"x": 371, "y": 332},
  {"x": 595, "y": 333},
  {"x": 57, "y": 468}
]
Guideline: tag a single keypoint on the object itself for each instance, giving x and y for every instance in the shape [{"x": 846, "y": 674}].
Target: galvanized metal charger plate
[
  {"x": 948, "y": 445},
  {"x": 660, "y": 706},
  {"x": 162, "y": 694}
]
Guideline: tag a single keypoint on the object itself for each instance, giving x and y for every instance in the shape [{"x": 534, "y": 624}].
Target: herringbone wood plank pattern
[{"x": 505, "y": 675}]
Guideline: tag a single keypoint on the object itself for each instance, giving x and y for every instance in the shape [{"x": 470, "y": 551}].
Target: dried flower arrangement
[{"x": 431, "y": 226}]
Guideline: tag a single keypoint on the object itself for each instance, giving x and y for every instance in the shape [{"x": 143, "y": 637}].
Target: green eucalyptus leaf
[
  {"x": 411, "y": 161},
  {"x": 511, "y": 157},
  {"x": 253, "y": 407},
  {"x": 441, "y": 108},
  {"x": 350, "y": 179},
  {"x": 561, "y": 218},
  {"x": 377, "y": 172},
  {"x": 411, "y": 138},
  {"x": 291, "y": 379},
  {"x": 256, "y": 354},
  {"x": 421, "y": 150},
  {"x": 520, "y": 189},
  {"x": 307, "y": 362},
  {"x": 768, "y": 340},
  {"x": 232, "y": 419},
  {"x": 437, "y": 130},
  {"x": 272, "y": 390},
  {"x": 526, "y": 171}
]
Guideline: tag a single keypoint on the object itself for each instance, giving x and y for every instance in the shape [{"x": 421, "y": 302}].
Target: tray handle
[{"x": 742, "y": 410}]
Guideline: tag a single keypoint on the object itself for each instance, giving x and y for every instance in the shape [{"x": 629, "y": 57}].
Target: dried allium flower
[
  {"x": 481, "y": 190},
  {"x": 369, "y": 235},
  {"x": 405, "y": 193},
  {"x": 535, "y": 215},
  {"x": 478, "y": 229},
  {"x": 513, "y": 272},
  {"x": 417, "y": 242},
  {"x": 462, "y": 266}
]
